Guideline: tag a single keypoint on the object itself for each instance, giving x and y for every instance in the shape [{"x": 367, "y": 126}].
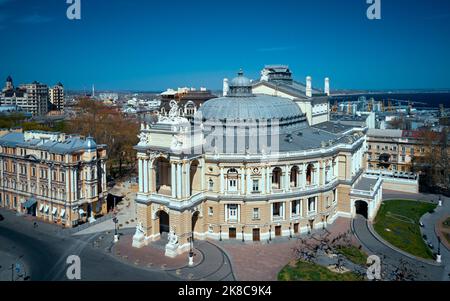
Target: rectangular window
[
  {"x": 63, "y": 177},
  {"x": 210, "y": 211},
  {"x": 295, "y": 207},
  {"x": 256, "y": 215},
  {"x": 255, "y": 185},
  {"x": 232, "y": 212},
  {"x": 232, "y": 185},
  {"x": 312, "y": 204},
  {"x": 276, "y": 209}
]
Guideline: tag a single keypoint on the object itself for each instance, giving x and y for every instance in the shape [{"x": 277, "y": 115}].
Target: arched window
[
  {"x": 309, "y": 174},
  {"x": 294, "y": 176},
  {"x": 210, "y": 185},
  {"x": 276, "y": 178}
]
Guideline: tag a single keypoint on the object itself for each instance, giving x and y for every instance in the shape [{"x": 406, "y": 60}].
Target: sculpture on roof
[{"x": 173, "y": 109}]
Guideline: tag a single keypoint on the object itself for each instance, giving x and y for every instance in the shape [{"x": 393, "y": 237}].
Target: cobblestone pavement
[
  {"x": 262, "y": 261},
  {"x": 210, "y": 262}
]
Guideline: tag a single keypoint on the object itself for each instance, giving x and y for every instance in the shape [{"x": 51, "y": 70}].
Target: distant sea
[{"x": 429, "y": 99}]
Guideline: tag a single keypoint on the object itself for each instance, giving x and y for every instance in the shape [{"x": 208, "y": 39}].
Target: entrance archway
[
  {"x": 362, "y": 208},
  {"x": 164, "y": 225}
]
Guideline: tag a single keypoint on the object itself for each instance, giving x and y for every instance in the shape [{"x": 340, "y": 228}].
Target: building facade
[
  {"x": 32, "y": 98},
  {"x": 56, "y": 95},
  {"x": 247, "y": 167},
  {"x": 52, "y": 176},
  {"x": 189, "y": 100},
  {"x": 278, "y": 81}
]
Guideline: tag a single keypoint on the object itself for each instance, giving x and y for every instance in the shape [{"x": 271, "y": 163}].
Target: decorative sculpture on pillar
[
  {"x": 139, "y": 236},
  {"x": 172, "y": 245}
]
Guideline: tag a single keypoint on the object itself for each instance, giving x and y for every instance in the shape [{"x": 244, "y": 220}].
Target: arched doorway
[
  {"x": 362, "y": 208},
  {"x": 163, "y": 172},
  {"x": 195, "y": 177},
  {"x": 164, "y": 225},
  {"x": 194, "y": 229}
]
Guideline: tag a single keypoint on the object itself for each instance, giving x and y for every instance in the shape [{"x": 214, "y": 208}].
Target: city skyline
[{"x": 154, "y": 46}]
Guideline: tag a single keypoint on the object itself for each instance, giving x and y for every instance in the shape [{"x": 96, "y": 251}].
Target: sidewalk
[{"x": 126, "y": 216}]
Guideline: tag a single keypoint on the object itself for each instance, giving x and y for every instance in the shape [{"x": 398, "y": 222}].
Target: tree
[
  {"x": 434, "y": 162},
  {"x": 108, "y": 126}
]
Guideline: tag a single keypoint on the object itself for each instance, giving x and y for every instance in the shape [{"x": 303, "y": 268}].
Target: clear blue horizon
[{"x": 160, "y": 44}]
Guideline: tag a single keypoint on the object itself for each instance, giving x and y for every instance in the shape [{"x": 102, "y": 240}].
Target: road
[
  {"x": 391, "y": 257},
  {"x": 45, "y": 250}
]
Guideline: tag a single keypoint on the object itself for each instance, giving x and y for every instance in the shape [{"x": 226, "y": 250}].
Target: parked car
[
  {"x": 421, "y": 225},
  {"x": 1, "y": 217},
  {"x": 430, "y": 245}
]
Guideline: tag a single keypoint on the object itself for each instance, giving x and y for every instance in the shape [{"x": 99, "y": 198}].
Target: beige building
[
  {"x": 56, "y": 95},
  {"x": 248, "y": 167},
  {"x": 58, "y": 178}
]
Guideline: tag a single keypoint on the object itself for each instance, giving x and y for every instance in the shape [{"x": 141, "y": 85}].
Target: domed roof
[
  {"x": 257, "y": 107},
  {"x": 90, "y": 144},
  {"x": 240, "y": 81}
]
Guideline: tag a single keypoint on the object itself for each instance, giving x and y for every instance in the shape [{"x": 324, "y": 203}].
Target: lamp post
[
  {"x": 191, "y": 251},
  {"x": 243, "y": 234},
  {"x": 220, "y": 233},
  {"x": 116, "y": 235},
  {"x": 270, "y": 233},
  {"x": 438, "y": 256},
  {"x": 290, "y": 230},
  {"x": 13, "y": 266}
]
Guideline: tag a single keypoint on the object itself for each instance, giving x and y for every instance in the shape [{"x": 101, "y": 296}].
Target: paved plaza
[{"x": 226, "y": 260}]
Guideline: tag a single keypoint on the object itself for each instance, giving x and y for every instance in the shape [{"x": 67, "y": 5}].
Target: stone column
[
  {"x": 141, "y": 177},
  {"x": 287, "y": 179},
  {"x": 188, "y": 179},
  {"x": 150, "y": 177},
  {"x": 263, "y": 180},
  {"x": 203, "y": 172},
  {"x": 145, "y": 174},
  {"x": 249, "y": 181},
  {"x": 242, "y": 175},
  {"x": 222, "y": 181},
  {"x": 173, "y": 181},
  {"x": 179, "y": 180}
]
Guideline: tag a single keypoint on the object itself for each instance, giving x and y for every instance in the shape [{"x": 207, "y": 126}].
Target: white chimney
[
  {"x": 308, "y": 86},
  {"x": 226, "y": 87},
  {"x": 327, "y": 86}
]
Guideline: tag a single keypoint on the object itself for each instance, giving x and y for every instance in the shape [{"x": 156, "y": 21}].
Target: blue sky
[{"x": 153, "y": 45}]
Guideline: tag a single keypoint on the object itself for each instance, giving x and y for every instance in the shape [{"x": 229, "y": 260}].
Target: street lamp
[
  {"x": 270, "y": 233},
  {"x": 220, "y": 233},
  {"x": 191, "y": 251},
  {"x": 116, "y": 235},
  {"x": 438, "y": 256},
  {"x": 243, "y": 234},
  {"x": 12, "y": 267}
]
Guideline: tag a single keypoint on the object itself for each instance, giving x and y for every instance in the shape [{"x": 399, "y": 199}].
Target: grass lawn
[
  {"x": 354, "y": 254},
  {"x": 306, "y": 271},
  {"x": 402, "y": 217}
]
